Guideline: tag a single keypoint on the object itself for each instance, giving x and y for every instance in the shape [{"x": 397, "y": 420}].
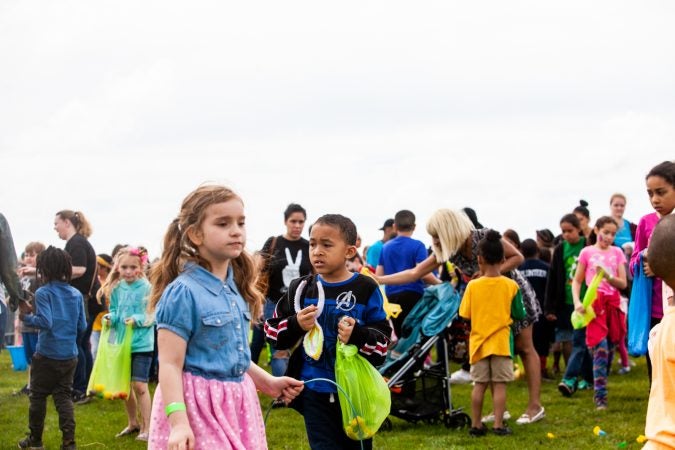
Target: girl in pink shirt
[
  {"x": 609, "y": 325},
  {"x": 661, "y": 190}
]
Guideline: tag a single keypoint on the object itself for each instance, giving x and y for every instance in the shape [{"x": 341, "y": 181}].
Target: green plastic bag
[
  {"x": 581, "y": 320},
  {"x": 366, "y": 390},
  {"x": 111, "y": 374}
]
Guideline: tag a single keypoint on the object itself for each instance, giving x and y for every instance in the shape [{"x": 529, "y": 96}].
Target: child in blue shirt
[
  {"x": 205, "y": 294},
  {"x": 348, "y": 307},
  {"x": 59, "y": 315}
]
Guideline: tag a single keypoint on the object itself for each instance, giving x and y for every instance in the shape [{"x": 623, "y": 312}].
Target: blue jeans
[
  {"x": 279, "y": 362},
  {"x": 323, "y": 422},
  {"x": 580, "y": 362},
  {"x": 85, "y": 361}
]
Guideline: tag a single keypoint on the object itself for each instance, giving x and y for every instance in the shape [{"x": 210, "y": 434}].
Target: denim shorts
[
  {"x": 140, "y": 366},
  {"x": 564, "y": 335}
]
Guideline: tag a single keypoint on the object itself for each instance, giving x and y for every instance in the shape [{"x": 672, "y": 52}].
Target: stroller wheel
[
  {"x": 386, "y": 425},
  {"x": 456, "y": 420}
]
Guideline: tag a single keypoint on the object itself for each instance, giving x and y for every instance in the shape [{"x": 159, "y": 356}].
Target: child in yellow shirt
[
  {"x": 491, "y": 302},
  {"x": 660, "y": 425}
]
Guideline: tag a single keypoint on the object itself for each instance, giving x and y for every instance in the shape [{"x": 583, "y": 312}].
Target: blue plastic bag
[{"x": 639, "y": 311}]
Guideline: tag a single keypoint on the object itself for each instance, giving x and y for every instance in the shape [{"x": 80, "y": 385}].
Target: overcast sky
[{"x": 519, "y": 109}]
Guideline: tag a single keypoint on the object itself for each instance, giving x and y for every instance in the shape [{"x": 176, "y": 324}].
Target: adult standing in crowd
[
  {"x": 546, "y": 242},
  {"x": 584, "y": 216},
  {"x": 283, "y": 258},
  {"x": 8, "y": 275},
  {"x": 626, "y": 231},
  {"x": 75, "y": 229},
  {"x": 373, "y": 255}
]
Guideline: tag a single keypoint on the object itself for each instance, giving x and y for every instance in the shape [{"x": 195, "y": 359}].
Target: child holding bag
[
  {"x": 204, "y": 292},
  {"x": 609, "y": 325},
  {"x": 128, "y": 291},
  {"x": 345, "y": 306}
]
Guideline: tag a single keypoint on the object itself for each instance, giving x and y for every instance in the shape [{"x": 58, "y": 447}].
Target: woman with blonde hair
[{"x": 455, "y": 239}]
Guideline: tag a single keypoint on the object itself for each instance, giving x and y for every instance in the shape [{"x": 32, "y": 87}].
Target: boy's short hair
[
  {"x": 343, "y": 224},
  {"x": 404, "y": 220},
  {"x": 491, "y": 248},
  {"x": 661, "y": 252},
  {"x": 35, "y": 247},
  {"x": 54, "y": 264},
  {"x": 529, "y": 248}
]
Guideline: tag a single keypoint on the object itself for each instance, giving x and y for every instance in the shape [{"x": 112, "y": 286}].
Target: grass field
[{"x": 571, "y": 420}]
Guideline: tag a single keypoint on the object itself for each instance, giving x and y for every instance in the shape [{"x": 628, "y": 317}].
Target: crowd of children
[{"x": 191, "y": 311}]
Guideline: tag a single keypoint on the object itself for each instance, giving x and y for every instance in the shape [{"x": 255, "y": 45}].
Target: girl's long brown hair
[{"x": 179, "y": 249}]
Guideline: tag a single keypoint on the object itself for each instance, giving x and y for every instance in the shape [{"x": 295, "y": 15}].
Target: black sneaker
[
  {"x": 80, "y": 398},
  {"x": 503, "y": 431},
  {"x": 69, "y": 446},
  {"x": 23, "y": 391},
  {"x": 29, "y": 443},
  {"x": 567, "y": 387},
  {"x": 478, "y": 432}
]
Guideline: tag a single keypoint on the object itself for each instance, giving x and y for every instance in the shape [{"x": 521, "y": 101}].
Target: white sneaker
[
  {"x": 460, "y": 376},
  {"x": 491, "y": 417}
]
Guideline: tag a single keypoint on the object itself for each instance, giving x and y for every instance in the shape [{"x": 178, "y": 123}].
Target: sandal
[
  {"x": 142, "y": 437},
  {"x": 127, "y": 431},
  {"x": 525, "y": 419}
]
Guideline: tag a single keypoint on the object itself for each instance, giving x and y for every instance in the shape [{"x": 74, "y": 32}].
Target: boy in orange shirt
[
  {"x": 491, "y": 302},
  {"x": 660, "y": 426}
]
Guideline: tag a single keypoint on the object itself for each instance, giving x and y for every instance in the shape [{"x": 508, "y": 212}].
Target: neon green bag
[
  {"x": 111, "y": 374},
  {"x": 366, "y": 390},
  {"x": 581, "y": 320}
]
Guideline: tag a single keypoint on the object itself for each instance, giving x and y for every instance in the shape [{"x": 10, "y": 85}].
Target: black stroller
[{"x": 422, "y": 393}]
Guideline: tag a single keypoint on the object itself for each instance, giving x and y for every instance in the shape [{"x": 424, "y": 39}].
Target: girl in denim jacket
[{"x": 205, "y": 297}]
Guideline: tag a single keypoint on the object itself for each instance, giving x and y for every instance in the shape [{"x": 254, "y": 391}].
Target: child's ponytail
[
  {"x": 80, "y": 223},
  {"x": 169, "y": 265}
]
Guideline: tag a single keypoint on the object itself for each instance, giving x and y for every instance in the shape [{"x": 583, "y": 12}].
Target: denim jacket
[
  {"x": 59, "y": 314},
  {"x": 213, "y": 317}
]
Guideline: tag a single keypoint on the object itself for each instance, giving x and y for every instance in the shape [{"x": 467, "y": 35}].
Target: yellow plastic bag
[
  {"x": 391, "y": 309},
  {"x": 312, "y": 342},
  {"x": 581, "y": 320}
]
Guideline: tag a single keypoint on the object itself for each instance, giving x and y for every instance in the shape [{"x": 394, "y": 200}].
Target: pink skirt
[{"x": 222, "y": 415}]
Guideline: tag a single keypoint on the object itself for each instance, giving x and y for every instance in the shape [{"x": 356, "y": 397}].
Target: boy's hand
[
  {"x": 307, "y": 317},
  {"x": 345, "y": 328}
]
